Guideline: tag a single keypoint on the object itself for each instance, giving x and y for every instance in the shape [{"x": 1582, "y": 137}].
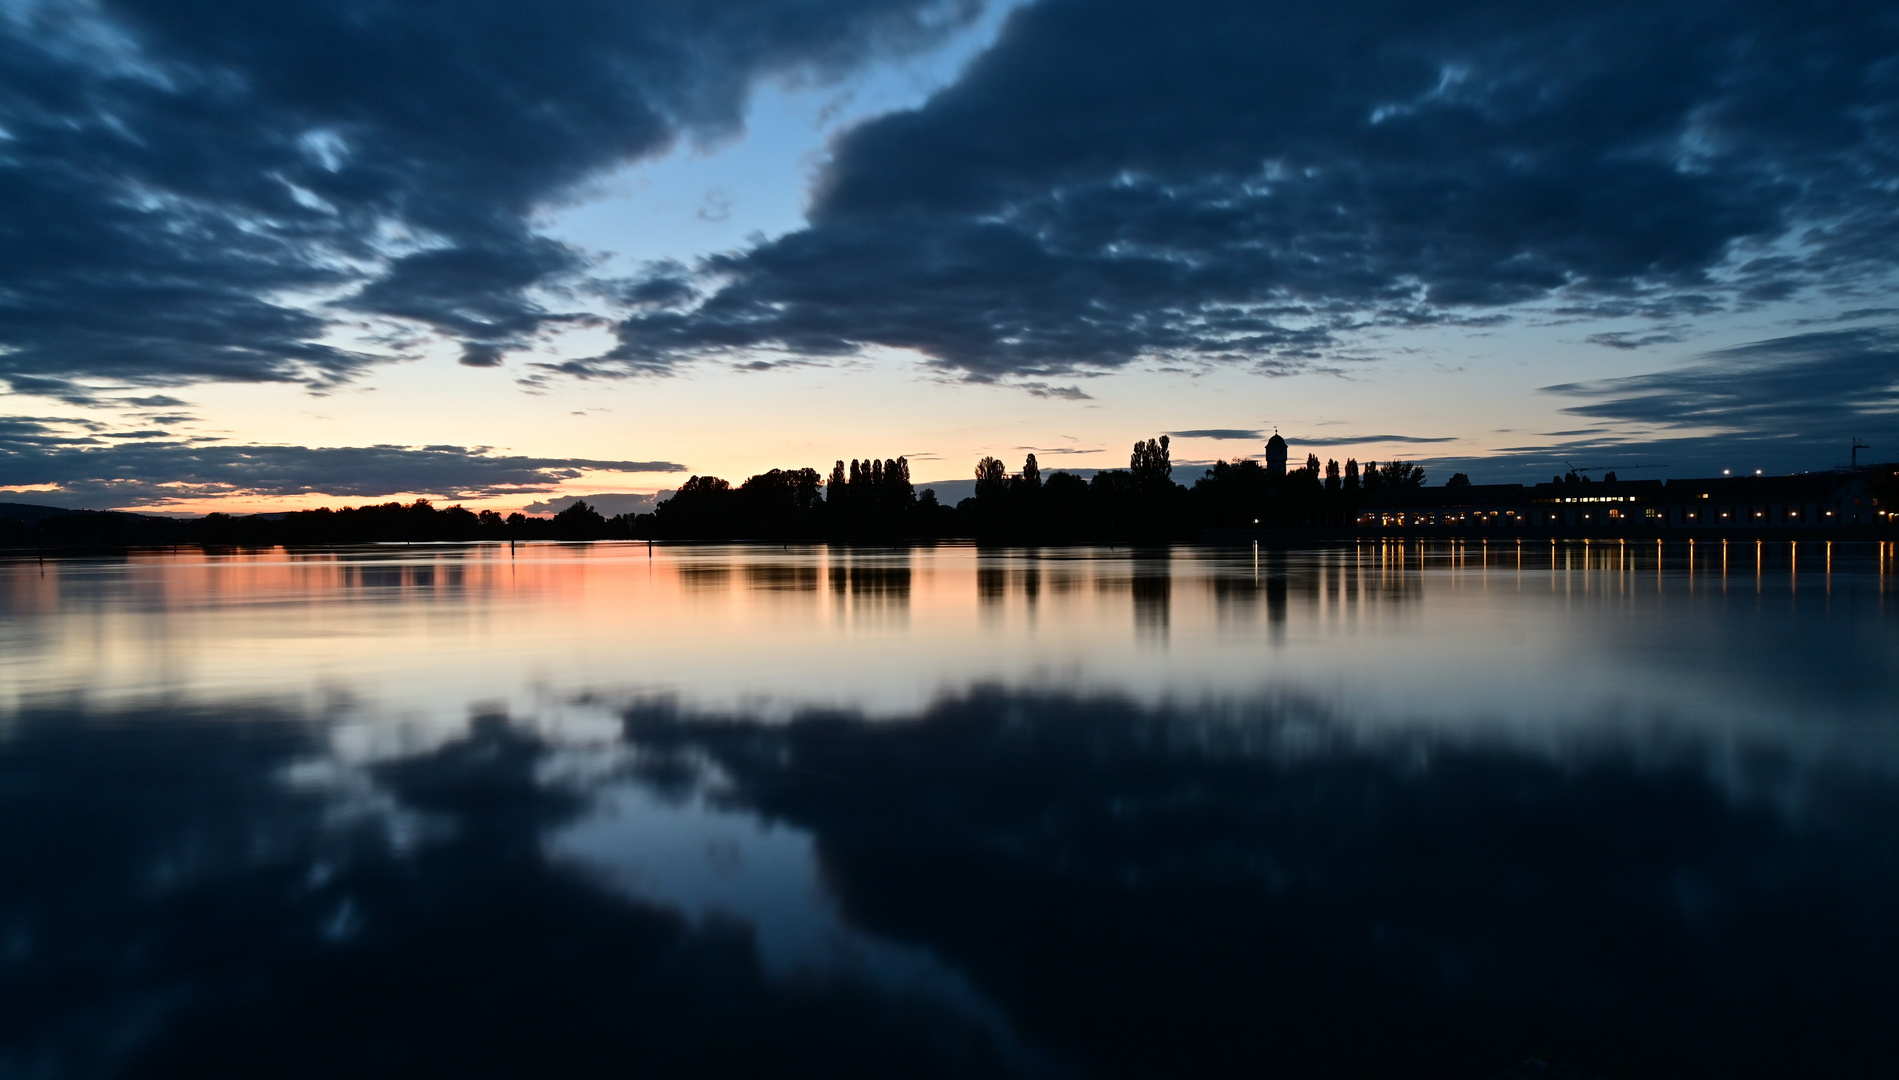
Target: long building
[{"x": 1844, "y": 497}]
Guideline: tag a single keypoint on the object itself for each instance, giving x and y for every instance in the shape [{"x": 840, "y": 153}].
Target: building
[
  {"x": 1603, "y": 504},
  {"x": 1809, "y": 500},
  {"x": 1471, "y": 506},
  {"x": 1276, "y": 456},
  {"x": 1842, "y": 497}
]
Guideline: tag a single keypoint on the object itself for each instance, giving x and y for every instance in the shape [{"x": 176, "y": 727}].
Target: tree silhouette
[
  {"x": 1152, "y": 464},
  {"x": 992, "y": 476},
  {"x": 1401, "y": 474},
  {"x": 579, "y": 522}
]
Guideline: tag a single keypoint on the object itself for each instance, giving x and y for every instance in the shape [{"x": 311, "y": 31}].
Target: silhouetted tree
[
  {"x": 1068, "y": 513},
  {"x": 704, "y": 508},
  {"x": 1351, "y": 475},
  {"x": 1332, "y": 475},
  {"x": 1151, "y": 464},
  {"x": 579, "y": 522},
  {"x": 1235, "y": 494},
  {"x": 1401, "y": 474},
  {"x": 875, "y": 499},
  {"x": 782, "y": 504},
  {"x": 992, "y": 477},
  {"x": 1457, "y": 480}
]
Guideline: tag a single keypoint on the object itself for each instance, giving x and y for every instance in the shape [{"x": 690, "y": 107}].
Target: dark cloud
[
  {"x": 202, "y": 189},
  {"x": 1218, "y": 433},
  {"x": 83, "y": 471},
  {"x": 1306, "y": 440},
  {"x": 1354, "y": 440},
  {"x": 1046, "y": 390},
  {"x": 1222, "y": 180},
  {"x": 1616, "y": 339},
  {"x": 1806, "y": 384},
  {"x": 1783, "y": 405}
]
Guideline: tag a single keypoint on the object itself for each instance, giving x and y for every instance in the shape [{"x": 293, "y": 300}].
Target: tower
[{"x": 1276, "y": 455}]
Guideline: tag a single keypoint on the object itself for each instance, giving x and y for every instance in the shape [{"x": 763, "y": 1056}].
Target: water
[{"x": 579, "y": 810}]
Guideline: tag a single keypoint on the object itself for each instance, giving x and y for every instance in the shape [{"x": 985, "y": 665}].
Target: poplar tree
[{"x": 991, "y": 476}]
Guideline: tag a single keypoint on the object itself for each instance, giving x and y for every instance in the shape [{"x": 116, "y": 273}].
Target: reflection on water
[{"x": 1384, "y": 810}]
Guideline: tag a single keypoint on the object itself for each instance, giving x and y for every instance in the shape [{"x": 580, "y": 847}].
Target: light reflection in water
[
  {"x": 1497, "y": 799},
  {"x": 1457, "y": 635}
]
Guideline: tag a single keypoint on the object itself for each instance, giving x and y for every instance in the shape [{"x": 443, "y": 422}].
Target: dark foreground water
[{"x": 583, "y": 811}]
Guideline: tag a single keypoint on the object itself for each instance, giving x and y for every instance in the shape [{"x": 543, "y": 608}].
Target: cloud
[
  {"x": 38, "y": 454},
  {"x": 1218, "y": 433},
  {"x": 1783, "y": 405},
  {"x": 1353, "y": 440},
  {"x": 1045, "y": 390},
  {"x": 1305, "y": 440},
  {"x": 223, "y": 189},
  {"x": 1619, "y": 339},
  {"x": 1229, "y": 181},
  {"x": 1802, "y": 385}
]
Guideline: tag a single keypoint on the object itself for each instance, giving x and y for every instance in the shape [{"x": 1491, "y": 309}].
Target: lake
[{"x": 1387, "y": 810}]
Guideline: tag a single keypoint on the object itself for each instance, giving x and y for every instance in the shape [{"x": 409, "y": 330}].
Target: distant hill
[{"x": 30, "y": 512}]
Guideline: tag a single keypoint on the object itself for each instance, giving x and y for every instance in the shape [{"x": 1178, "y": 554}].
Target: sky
[{"x": 258, "y": 256}]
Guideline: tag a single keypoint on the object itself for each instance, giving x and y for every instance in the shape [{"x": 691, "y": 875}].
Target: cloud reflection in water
[{"x": 1364, "y": 813}]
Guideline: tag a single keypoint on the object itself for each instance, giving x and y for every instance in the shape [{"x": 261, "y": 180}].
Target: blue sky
[{"x": 260, "y": 257}]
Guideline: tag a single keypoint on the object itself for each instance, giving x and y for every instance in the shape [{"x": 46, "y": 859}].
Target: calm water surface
[{"x": 586, "y": 810}]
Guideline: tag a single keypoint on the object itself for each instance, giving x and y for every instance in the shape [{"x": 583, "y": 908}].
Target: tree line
[
  {"x": 868, "y": 499},
  {"x": 417, "y": 522},
  {"x": 1143, "y": 502},
  {"x": 875, "y": 500}
]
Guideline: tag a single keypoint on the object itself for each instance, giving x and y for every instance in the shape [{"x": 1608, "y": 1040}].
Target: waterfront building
[
  {"x": 1471, "y": 506},
  {"x": 1838, "y": 498},
  {"x": 1276, "y": 456}
]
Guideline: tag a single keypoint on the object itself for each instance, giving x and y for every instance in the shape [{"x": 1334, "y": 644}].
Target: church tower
[{"x": 1276, "y": 456}]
